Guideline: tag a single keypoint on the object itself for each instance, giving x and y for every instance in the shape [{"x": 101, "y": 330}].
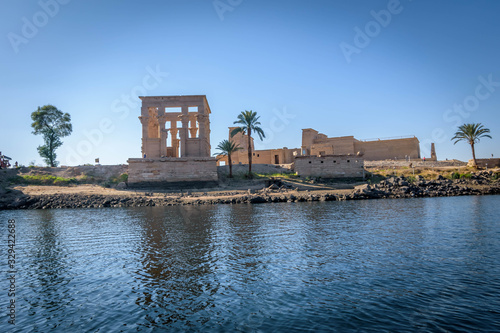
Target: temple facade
[
  {"x": 175, "y": 143},
  {"x": 318, "y": 144},
  {"x": 315, "y": 143},
  {"x": 175, "y": 126}
]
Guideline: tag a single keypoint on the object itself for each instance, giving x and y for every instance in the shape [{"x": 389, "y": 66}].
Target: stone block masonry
[
  {"x": 167, "y": 172},
  {"x": 330, "y": 166},
  {"x": 486, "y": 162},
  {"x": 175, "y": 144},
  {"x": 175, "y": 126}
]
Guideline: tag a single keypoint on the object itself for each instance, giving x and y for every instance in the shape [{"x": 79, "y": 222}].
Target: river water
[{"x": 406, "y": 265}]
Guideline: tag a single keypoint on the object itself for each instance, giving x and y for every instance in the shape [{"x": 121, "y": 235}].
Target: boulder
[
  {"x": 273, "y": 187},
  {"x": 121, "y": 186},
  {"x": 365, "y": 188},
  {"x": 258, "y": 199}
]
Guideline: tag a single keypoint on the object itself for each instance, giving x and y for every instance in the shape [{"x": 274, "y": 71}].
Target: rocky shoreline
[
  {"x": 481, "y": 183},
  {"x": 400, "y": 187}
]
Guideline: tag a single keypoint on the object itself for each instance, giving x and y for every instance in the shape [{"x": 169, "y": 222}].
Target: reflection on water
[{"x": 381, "y": 265}]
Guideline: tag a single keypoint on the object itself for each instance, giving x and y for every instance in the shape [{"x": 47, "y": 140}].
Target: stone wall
[
  {"x": 268, "y": 156},
  {"x": 492, "y": 162},
  {"x": 315, "y": 143},
  {"x": 240, "y": 169},
  {"x": 388, "y": 149},
  {"x": 171, "y": 171},
  {"x": 414, "y": 163},
  {"x": 330, "y": 166},
  {"x": 333, "y": 146}
]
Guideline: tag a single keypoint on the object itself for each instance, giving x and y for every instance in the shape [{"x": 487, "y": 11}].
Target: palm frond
[
  {"x": 227, "y": 147},
  {"x": 260, "y": 132},
  {"x": 237, "y": 130},
  {"x": 472, "y": 133}
]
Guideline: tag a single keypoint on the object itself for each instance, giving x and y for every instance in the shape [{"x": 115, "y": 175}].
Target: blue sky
[{"x": 372, "y": 69}]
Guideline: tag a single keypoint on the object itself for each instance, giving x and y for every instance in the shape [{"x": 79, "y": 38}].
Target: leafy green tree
[
  {"x": 471, "y": 133},
  {"x": 52, "y": 124},
  {"x": 228, "y": 147},
  {"x": 248, "y": 122}
]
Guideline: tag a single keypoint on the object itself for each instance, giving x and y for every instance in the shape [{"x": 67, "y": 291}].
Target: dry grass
[{"x": 426, "y": 172}]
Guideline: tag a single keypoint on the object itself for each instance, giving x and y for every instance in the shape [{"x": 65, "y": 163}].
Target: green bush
[
  {"x": 276, "y": 175},
  {"x": 43, "y": 180},
  {"x": 411, "y": 179},
  {"x": 121, "y": 178},
  {"x": 467, "y": 175}
]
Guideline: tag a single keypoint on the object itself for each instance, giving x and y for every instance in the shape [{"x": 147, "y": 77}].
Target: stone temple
[
  {"x": 175, "y": 143},
  {"x": 317, "y": 144},
  {"x": 176, "y": 148}
]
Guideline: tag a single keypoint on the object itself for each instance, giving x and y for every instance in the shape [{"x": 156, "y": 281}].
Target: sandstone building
[
  {"x": 175, "y": 142},
  {"x": 330, "y": 166},
  {"x": 267, "y": 156},
  {"x": 316, "y": 144}
]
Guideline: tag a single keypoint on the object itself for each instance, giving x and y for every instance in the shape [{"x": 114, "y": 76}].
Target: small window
[
  {"x": 257, "y": 155},
  {"x": 321, "y": 161},
  {"x": 348, "y": 161},
  {"x": 334, "y": 161},
  {"x": 309, "y": 162},
  {"x": 253, "y": 154}
]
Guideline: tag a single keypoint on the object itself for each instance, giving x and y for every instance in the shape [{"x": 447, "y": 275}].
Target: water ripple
[{"x": 423, "y": 265}]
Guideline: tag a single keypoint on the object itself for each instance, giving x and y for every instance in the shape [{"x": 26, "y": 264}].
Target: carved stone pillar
[
  {"x": 184, "y": 133},
  {"x": 163, "y": 143},
  {"x": 193, "y": 129},
  {"x": 204, "y": 134},
  {"x": 175, "y": 141},
  {"x": 145, "y": 123},
  {"x": 202, "y": 122}
]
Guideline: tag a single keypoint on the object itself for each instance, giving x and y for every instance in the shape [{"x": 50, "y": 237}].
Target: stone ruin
[{"x": 175, "y": 143}]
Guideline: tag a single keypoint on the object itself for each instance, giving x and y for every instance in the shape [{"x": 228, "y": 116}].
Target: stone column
[
  {"x": 193, "y": 129},
  {"x": 173, "y": 133},
  {"x": 145, "y": 124},
  {"x": 163, "y": 140},
  {"x": 184, "y": 132},
  {"x": 202, "y": 122},
  {"x": 204, "y": 132},
  {"x": 175, "y": 142},
  {"x": 161, "y": 118}
]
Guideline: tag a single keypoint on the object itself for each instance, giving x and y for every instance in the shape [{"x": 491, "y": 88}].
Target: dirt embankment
[
  {"x": 14, "y": 196},
  {"x": 88, "y": 196}
]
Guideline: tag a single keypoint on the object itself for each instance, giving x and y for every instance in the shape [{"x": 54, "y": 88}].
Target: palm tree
[
  {"x": 227, "y": 147},
  {"x": 471, "y": 133},
  {"x": 249, "y": 122}
]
